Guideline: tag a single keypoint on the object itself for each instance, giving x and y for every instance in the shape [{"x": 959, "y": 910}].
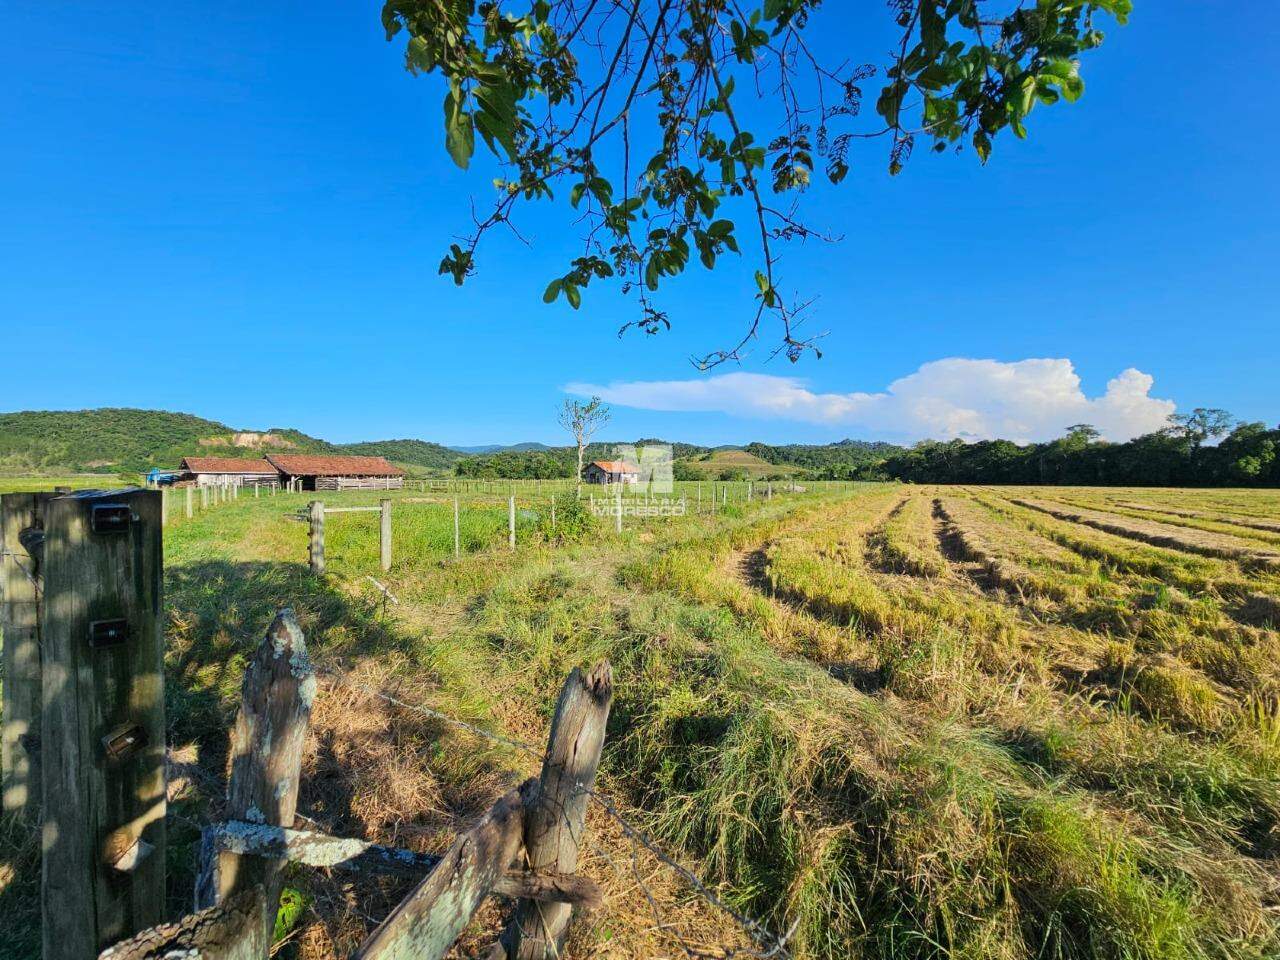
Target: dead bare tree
[{"x": 583, "y": 420}]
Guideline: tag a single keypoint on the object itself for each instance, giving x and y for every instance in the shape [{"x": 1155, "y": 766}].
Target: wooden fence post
[
  {"x": 457, "y": 539},
  {"x": 427, "y": 922},
  {"x": 204, "y": 497},
  {"x": 553, "y": 514},
  {"x": 266, "y": 759},
  {"x": 228, "y": 931},
  {"x": 103, "y": 730},
  {"x": 188, "y": 503},
  {"x": 617, "y": 502},
  {"x": 554, "y": 826},
  {"x": 164, "y": 506},
  {"x": 315, "y": 545},
  {"x": 511, "y": 522},
  {"x": 257, "y": 491},
  {"x": 21, "y": 556},
  {"x": 384, "y": 534}
]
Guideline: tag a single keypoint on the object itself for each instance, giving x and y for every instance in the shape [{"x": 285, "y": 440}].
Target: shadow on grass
[{"x": 218, "y": 612}]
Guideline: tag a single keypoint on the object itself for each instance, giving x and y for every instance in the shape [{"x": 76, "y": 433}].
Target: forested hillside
[
  {"x": 418, "y": 453},
  {"x": 118, "y": 439}
]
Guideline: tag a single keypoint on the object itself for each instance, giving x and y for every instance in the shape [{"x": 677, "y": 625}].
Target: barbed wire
[{"x": 772, "y": 947}]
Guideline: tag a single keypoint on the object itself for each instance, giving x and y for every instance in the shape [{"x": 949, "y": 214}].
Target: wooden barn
[
  {"x": 611, "y": 471},
  {"x": 307, "y": 472},
  {"x": 227, "y": 472}
]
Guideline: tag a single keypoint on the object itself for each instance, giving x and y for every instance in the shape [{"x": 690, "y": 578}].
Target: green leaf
[
  {"x": 460, "y": 135},
  {"x": 573, "y": 295},
  {"x": 552, "y": 291}
]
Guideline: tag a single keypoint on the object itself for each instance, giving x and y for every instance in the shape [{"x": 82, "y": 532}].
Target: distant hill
[
  {"x": 126, "y": 440},
  {"x": 121, "y": 439},
  {"x": 501, "y": 448},
  {"x": 113, "y": 439},
  {"x": 729, "y": 463},
  {"x": 417, "y": 453},
  {"x": 829, "y": 459}
]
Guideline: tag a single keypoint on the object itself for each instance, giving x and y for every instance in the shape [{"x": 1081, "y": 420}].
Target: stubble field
[{"x": 896, "y": 721}]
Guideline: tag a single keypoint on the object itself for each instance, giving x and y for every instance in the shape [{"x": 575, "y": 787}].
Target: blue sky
[{"x": 237, "y": 210}]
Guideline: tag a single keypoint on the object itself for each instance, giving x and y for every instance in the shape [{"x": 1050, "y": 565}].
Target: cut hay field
[{"x": 898, "y": 721}]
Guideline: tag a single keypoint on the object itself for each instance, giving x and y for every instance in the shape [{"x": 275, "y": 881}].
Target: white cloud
[{"x": 970, "y": 399}]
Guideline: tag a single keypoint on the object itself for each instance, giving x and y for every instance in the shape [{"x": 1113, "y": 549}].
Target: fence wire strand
[{"x": 771, "y": 947}]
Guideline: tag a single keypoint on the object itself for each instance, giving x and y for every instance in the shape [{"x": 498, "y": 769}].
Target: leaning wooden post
[
  {"x": 21, "y": 556},
  {"x": 426, "y": 923},
  {"x": 315, "y": 544},
  {"x": 511, "y": 522},
  {"x": 102, "y": 731},
  {"x": 384, "y": 534},
  {"x": 553, "y": 828},
  {"x": 457, "y": 538},
  {"x": 265, "y": 761}
]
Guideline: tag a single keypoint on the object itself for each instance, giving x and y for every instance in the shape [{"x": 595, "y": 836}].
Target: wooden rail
[{"x": 315, "y": 515}]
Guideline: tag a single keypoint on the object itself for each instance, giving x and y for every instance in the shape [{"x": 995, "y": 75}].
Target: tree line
[{"x": 1204, "y": 448}]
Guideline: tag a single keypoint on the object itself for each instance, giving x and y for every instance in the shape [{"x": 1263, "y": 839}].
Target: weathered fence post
[
  {"x": 457, "y": 539},
  {"x": 315, "y": 542},
  {"x": 187, "y": 507},
  {"x": 204, "y": 497},
  {"x": 257, "y": 491},
  {"x": 102, "y": 730},
  {"x": 384, "y": 534},
  {"x": 164, "y": 506},
  {"x": 769, "y": 492},
  {"x": 553, "y": 514},
  {"x": 554, "y": 825},
  {"x": 21, "y": 555},
  {"x": 426, "y": 923},
  {"x": 617, "y": 502},
  {"x": 265, "y": 762},
  {"x": 511, "y": 522},
  {"x": 228, "y": 931}
]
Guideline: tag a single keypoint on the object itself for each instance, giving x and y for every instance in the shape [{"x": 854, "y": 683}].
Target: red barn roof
[
  {"x": 615, "y": 466},
  {"x": 225, "y": 465},
  {"x": 301, "y": 465}
]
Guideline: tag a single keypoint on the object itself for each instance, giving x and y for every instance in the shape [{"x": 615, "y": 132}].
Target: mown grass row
[{"x": 975, "y": 808}]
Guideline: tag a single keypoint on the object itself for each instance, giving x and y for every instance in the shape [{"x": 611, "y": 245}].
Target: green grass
[{"x": 816, "y": 706}]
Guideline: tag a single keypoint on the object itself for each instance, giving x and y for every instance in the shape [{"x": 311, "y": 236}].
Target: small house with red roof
[{"x": 611, "y": 471}]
